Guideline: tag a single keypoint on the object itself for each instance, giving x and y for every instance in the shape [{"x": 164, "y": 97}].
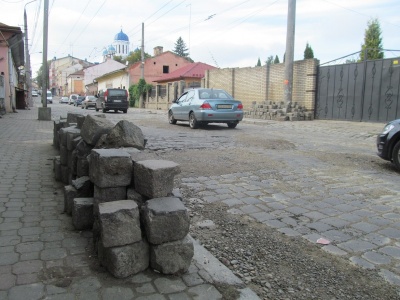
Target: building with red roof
[{"x": 191, "y": 74}]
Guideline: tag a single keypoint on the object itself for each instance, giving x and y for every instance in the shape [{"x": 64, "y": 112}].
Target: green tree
[
  {"x": 180, "y": 48},
  {"x": 276, "y": 60},
  {"x": 135, "y": 90},
  {"x": 39, "y": 76},
  {"x": 135, "y": 56},
  {"x": 372, "y": 46},
  {"x": 270, "y": 60},
  {"x": 258, "y": 63},
  {"x": 118, "y": 58},
  {"x": 308, "y": 52}
]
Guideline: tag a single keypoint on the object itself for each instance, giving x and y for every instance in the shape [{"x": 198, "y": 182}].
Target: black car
[
  {"x": 388, "y": 143},
  {"x": 112, "y": 99}
]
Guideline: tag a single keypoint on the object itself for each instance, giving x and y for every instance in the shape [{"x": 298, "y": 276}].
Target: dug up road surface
[{"x": 297, "y": 210}]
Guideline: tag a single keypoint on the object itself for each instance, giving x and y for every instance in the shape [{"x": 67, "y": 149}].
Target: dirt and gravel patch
[{"x": 276, "y": 266}]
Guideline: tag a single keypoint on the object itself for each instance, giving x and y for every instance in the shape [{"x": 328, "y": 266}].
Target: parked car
[
  {"x": 49, "y": 97},
  {"x": 79, "y": 100},
  {"x": 35, "y": 93},
  {"x": 388, "y": 143},
  {"x": 64, "y": 100},
  {"x": 112, "y": 99},
  {"x": 90, "y": 101},
  {"x": 72, "y": 99},
  {"x": 201, "y": 106}
]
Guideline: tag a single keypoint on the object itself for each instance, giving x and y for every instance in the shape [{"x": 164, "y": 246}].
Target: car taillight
[
  {"x": 205, "y": 105},
  {"x": 240, "y": 106},
  {"x": 105, "y": 95}
]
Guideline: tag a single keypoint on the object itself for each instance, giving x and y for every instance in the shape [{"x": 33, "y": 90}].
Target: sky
[{"x": 222, "y": 33}]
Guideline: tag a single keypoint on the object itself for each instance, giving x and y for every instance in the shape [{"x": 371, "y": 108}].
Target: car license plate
[
  {"x": 117, "y": 100},
  {"x": 224, "y": 106}
]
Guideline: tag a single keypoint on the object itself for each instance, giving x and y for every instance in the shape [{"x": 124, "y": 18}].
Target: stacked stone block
[
  {"x": 269, "y": 110},
  {"x": 128, "y": 202},
  {"x": 166, "y": 222}
]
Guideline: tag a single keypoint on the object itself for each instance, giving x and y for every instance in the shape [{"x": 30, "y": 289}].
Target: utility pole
[
  {"x": 142, "y": 67},
  {"x": 45, "y": 112},
  {"x": 289, "y": 55},
  {"x": 142, "y": 55},
  {"x": 28, "y": 75}
]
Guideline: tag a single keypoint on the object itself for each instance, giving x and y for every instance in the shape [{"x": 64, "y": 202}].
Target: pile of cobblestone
[
  {"x": 269, "y": 110},
  {"x": 129, "y": 202}
]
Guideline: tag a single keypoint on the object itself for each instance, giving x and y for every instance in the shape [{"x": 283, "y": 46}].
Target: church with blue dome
[{"x": 120, "y": 46}]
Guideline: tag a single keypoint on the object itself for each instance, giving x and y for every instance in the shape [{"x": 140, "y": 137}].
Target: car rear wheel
[
  {"x": 193, "y": 123},
  {"x": 171, "y": 119},
  {"x": 125, "y": 111},
  {"x": 232, "y": 124},
  {"x": 396, "y": 155},
  {"x": 104, "y": 110}
]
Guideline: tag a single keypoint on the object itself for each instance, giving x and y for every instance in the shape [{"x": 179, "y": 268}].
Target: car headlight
[{"x": 387, "y": 128}]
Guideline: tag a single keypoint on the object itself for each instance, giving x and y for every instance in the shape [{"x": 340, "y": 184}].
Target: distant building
[
  {"x": 191, "y": 74},
  {"x": 109, "y": 66},
  {"x": 60, "y": 69},
  {"x": 11, "y": 61},
  {"x": 119, "y": 47},
  {"x": 156, "y": 67}
]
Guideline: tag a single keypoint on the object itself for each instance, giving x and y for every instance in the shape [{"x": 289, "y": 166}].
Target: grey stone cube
[
  {"x": 71, "y": 136},
  {"x": 84, "y": 186},
  {"x": 155, "y": 178},
  {"x": 172, "y": 258},
  {"x": 131, "y": 194},
  {"x": 82, "y": 167},
  {"x": 64, "y": 155},
  {"x": 57, "y": 168},
  {"x": 109, "y": 194},
  {"x": 70, "y": 193},
  {"x": 165, "y": 220},
  {"x": 93, "y": 127},
  {"x": 63, "y": 134},
  {"x": 64, "y": 174},
  {"x": 110, "y": 168},
  {"x": 119, "y": 223},
  {"x": 125, "y": 261},
  {"x": 82, "y": 213}
]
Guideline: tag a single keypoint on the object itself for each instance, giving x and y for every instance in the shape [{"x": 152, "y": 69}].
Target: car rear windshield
[
  {"x": 213, "y": 94},
  {"x": 117, "y": 92}
]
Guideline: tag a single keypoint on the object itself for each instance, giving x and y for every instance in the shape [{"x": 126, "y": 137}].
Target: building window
[{"x": 165, "y": 69}]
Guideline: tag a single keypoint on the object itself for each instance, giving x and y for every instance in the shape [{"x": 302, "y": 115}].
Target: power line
[
  {"x": 73, "y": 27},
  {"x": 90, "y": 21}
]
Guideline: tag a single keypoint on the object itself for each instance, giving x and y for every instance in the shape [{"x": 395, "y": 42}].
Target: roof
[
  {"x": 120, "y": 36},
  {"x": 15, "y": 43},
  {"x": 193, "y": 70},
  {"x": 111, "y": 73}
]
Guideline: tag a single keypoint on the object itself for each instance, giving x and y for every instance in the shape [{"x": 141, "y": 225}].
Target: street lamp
[{"x": 28, "y": 76}]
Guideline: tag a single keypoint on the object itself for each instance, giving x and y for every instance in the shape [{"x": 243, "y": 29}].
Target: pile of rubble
[
  {"x": 137, "y": 218},
  {"x": 282, "y": 111}
]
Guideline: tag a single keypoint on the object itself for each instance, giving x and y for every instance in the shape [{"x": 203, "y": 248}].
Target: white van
[{"x": 49, "y": 97}]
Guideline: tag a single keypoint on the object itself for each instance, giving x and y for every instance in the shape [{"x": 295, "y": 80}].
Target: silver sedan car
[{"x": 201, "y": 106}]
